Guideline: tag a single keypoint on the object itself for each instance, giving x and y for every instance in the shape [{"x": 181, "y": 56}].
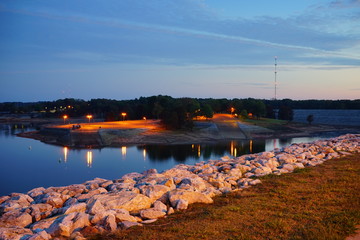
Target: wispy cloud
[
  {"x": 42, "y": 71},
  {"x": 336, "y": 17},
  {"x": 258, "y": 85},
  {"x": 215, "y": 41},
  {"x": 86, "y": 56},
  {"x": 181, "y": 47},
  {"x": 308, "y": 51}
]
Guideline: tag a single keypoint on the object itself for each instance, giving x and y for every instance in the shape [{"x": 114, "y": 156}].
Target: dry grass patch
[{"x": 322, "y": 202}]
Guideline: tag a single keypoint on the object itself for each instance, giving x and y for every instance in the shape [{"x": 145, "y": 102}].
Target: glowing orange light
[
  {"x": 144, "y": 118},
  {"x": 89, "y": 117},
  {"x": 123, "y": 115},
  {"x": 65, "y": 117}
]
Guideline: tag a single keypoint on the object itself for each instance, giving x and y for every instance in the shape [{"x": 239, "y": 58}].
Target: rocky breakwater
[{"x": 135, "y": 199}]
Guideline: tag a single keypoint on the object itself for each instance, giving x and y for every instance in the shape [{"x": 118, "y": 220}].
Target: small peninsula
[{"x": 136, "y": 132}]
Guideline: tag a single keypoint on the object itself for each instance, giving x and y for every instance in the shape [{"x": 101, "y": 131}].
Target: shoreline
[
  {"x": 117, "y": 138},
  {"x": 102, "y": 205},
  {"x": 222, "y": 128},
  {"x": 161, "y": 140}
]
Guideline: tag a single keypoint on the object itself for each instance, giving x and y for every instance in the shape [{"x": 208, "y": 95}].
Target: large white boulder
[
  {"x": 154, "y": 192},
  {"x": 125, "y": 200},
  {"x": 14, "y": 233},
  {"x": 189, "y": 196},
  {"x": 15, "y": 218},
  {"x": 152, "y": 213}
]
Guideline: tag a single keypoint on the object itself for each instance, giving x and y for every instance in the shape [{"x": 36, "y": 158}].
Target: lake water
[
  {"x": 332, "y": 117},
  {"x": 27, "y": 163}
]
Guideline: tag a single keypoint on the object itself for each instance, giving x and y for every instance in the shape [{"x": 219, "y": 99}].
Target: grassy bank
[
  {"x": 276, "y": 124},
  {"x": 321, "y": 202}
]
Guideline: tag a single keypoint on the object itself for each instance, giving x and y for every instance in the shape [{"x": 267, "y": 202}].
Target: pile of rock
[{"x": 138, "y": 198}]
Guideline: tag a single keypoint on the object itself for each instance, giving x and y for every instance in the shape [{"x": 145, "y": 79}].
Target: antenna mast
[{"x": 275, "y": 75}]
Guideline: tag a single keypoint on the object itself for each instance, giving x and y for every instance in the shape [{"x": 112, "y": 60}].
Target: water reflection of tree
[
  {"x": 285, "y": 141},
  {"x": 165, "y": 152},
  {"x": 180, "y": 153},
  {"x": 12, "y": 129},
  {"x": 257, "y": 146}
]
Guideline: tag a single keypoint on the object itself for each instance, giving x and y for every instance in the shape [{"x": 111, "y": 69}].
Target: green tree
[
  {"x": 244, "y": 114},
  {"x": 192, "y": 107},
  {"x": 270, "y": 113},
  {"x": 157, "y": 110},
  {"x": 207, "y": 111},
  {"x": 286, "y": 113},
  {"x": 254, "y": 106}
]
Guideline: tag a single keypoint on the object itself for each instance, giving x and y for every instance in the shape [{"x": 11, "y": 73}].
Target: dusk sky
[{"x": 125, "y": 49}]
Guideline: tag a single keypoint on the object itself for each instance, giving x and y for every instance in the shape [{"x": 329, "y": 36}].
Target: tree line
[
  {"x": 175, "y": 113},
  {"x": 315, "y": 104}
]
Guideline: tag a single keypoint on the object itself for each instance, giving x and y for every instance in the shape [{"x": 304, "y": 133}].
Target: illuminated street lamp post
[
  {"x": 65, "y": 117},
  {"x": 232, "y": 110},
  {"x": 89, "y": 117},
  {"x": 123, "y": 115}
]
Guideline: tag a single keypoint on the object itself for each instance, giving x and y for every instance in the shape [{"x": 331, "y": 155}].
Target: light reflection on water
[
  {"x": 230, "y": 148},
  {"x": 271, "y": 144},
  {"x": 89, "y": 159},
  {"x": 28, "y": 163},
  {"x": 65, "y": 154},
  {"x": 123, "y": 152}
]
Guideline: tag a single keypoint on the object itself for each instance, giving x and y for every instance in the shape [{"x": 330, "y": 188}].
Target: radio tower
[{"x": 275, "y": 76}]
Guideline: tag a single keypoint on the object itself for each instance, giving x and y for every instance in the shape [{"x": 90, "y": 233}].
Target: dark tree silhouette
[
  {"x": 174, "y": 112},
  {"x": 286, "y": 113},
  {"x": 207, "y": 111},
  {"x": 310, "y": 118}
]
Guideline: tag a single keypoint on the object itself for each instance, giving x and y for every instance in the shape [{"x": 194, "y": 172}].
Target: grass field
[
  {"x": 320, "y": 202},
  {"x": 273, "y": 124}
]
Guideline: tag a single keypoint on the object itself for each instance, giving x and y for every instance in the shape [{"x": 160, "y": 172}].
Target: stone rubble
[{"x": 136, "y": 199}]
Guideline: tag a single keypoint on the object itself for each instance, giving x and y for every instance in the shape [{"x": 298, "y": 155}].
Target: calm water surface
[
  {"x": 28, "y": 163},
  {"x": 327, "y": 116}
]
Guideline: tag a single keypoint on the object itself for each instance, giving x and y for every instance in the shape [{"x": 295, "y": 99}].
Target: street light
[
  {"x": 89, "y": 117},
  {"x": 232, "y": 110},
  {"x": 123, "y": 115},
  {"x": 65, "y": 117}
]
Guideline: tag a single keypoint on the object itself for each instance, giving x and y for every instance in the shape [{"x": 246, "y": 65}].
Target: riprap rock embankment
[{"x": 102, "y": 205}]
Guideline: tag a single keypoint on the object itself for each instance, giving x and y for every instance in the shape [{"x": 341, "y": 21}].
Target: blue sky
[{"x": 124, "y": 49}]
